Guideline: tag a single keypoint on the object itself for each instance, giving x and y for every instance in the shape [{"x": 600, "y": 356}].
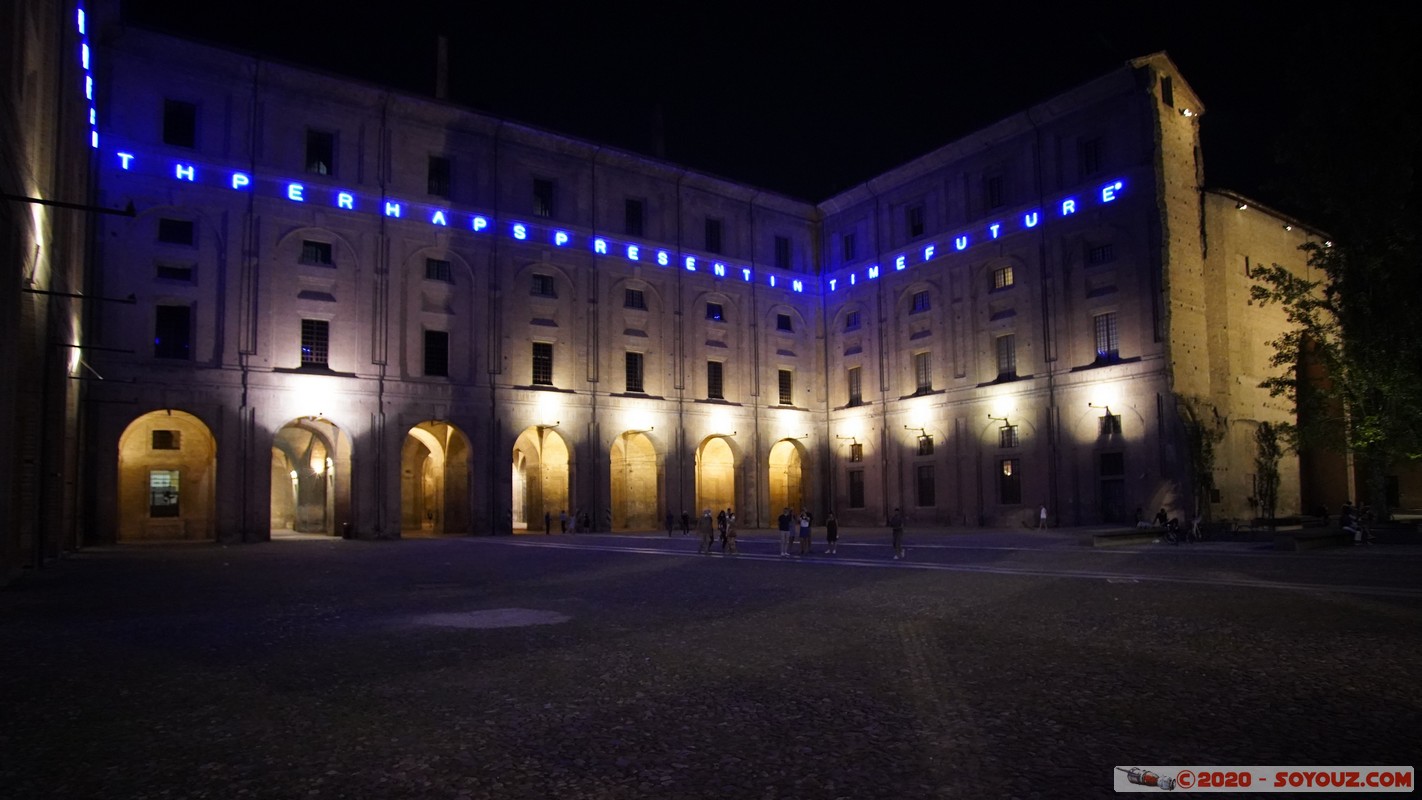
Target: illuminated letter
[
  {"x": 392, "y": 209},
  {"x": 853, "y": 279},
  {"x": 833, "y": 281},
  {"x": 797, "y": 286},
  {"x": 719, "y": 269},
  {"x": 1031, "y": 219},
  {"x": 745, "y": 271},
  {"x": 293, "y": 192},
  {"x": 81, "y": 21},
  {"x": 184, "y": 172},
  {"x": 520, "y": 232},
  {"x": 663, "y": 258},
  {"x": 438, "y": 219},
  {"x": 961, "y": 242},
  {"x": 634, "y": 252},
  {"x": 94, "y": 139},
  {"x": 928, "y": 252},
  {"x": 88, "y": 88},
  {"x": 1068, "y": 207},
  {"x": 873, "y": 272},
  {"x": 1108, "y": 192},
  {"x": 995, "y": 227},
  {"x": 600, "y": 246},
  {"x": 345, "y": 200},
  {"x": 84, "y": 55},
  {"x": 240, "y": 180},
  {"x": 772, "y": 280},
  {"x": 690, "y": 264},
  {"x": 479, "y": 223},
  {"x": 125, "y": 159},
  {"x": 899, "y": 263},
  {"x": 560, "y": 238}
]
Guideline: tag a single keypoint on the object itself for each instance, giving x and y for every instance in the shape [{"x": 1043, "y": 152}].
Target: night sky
[{"x": 813, "y": 101}]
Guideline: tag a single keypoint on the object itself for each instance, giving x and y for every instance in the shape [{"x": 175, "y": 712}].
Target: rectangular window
[
  {"x": 542, "y": 364},
  {"x": 1111, "y": 425},
  {"x": 784, "y": 323},
  {"x": 437, "y": 354},
  {"x": 174, "y": 272},
  {"x": 1100, "y": 254},
  {"x": 851, "y": 321},
  {"x": 179, "y": 123},
  {"x": 1107, "y": 344},
  {"x": 715, "y": 313},
  {"x": 1167, "y": 91},
  {"x": 316, "y": 253},
  {"x": 167, "y": 440},
  {"x": 543, "y": 286},
  {"x": 634, "y": 373},
  {"x": 787, "y": 388},
  {"x": 915, "y": 222},
  {"x": 782, "y": 252},
  {"x": 315, "y": 342},
  {"x": 1002, "y": 277},
  {"x": 163, "y": 493},
  {"x": 1007, "y": 356},
  {"x": 925, "y": 445},
  {"x": 713, "y": 235},
  {"x": 1112, "y": 464},
  {"x": 923, "y": 372},
  {"x": 856, "y": 452},
  {"x": 634, "y": 298},
  {"x": 856, "y": 489},
  {"x": 1090, "y": 157},
  {"x": 632, "y": 216},
  {"x": 925, "y": 484},
  {"x": 438, "y": 178},
  {"x": 715, "y": 388},
  {"x": 437, "y": 269},
  {"x": 992, "y": 192},
  {"x": 856, "y": 388},
  {"x": 542, "y": 197},
  {"x": 172, "y": 332},
  {"x": 920, "y": 302},
  {"x": 320, "y": 152},
  {"x": 176, "y": 231},
  {"x": 1009, "y": 481},
  {"x": 1007, "y": 436},
  {"x": 847, "y": 246}
]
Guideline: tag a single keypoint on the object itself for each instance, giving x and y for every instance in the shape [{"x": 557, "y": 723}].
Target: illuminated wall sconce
[
  {"x": 1241, "y": 206},
  {"x": 921, "y": 431},
  {"x": 1105, "y": 408},
  {"x": 1288, "y": 227},
  {"x": 850, "y": 439},
  {"x": 1187, "y": 112},
  {"x": 549, "y": 426},
  {"x": 1003, "y": 420}
]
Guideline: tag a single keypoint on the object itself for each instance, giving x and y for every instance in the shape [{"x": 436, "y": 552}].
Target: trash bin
[{"x": 345, "y": 530}]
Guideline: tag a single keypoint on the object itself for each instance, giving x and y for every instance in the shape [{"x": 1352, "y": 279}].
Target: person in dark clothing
[
  {"x": 831, "y": 534},
  {"x": 685, "y": 523}
]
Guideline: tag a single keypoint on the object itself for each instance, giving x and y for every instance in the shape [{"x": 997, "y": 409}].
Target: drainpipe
[{"x": 1049, "y": 357}]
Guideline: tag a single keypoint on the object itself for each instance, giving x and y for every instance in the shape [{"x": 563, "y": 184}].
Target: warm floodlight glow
[{"x": 550, "y": 410}]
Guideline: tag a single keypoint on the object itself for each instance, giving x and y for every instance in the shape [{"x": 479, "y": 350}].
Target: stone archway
[
  {"x": 786, "y": 477},
  {"x": 715, "y": 476},
  {"x": 167, "y": 471},
  {"x": 434, "y": 480},
  {"x": 634, "y": 483},
  {"x": 310, "y": 474},
  {"x": 541, "y": 468}
]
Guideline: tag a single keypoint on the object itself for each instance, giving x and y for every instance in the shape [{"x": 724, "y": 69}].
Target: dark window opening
[
  {"x": 316, "y": 253},
  {"x": 856, "y": 388},
  {"x": 321, "y": 152},
  {"x": 315, "y": 342},
  {"x": 1007, "y": 436},
  {"x": 176, "y": 231},
  {"x": 915, "y": 221},
  {"x": 783, "y": 323},
  {"x": 715, "y": 313},
  {"x": 438, "y": 181},
  {"x": 543, "y": 286},
  {"x": 542, "y": 364},
  {"x": 923, "y": 372},
  {"x": 167, "y": 440},
  {"x": 926, "y": 494},
  {"x": 782, "y": 252},
  {"x": 172, "y": 332},
  {"x": 921, "y": 302},
  {"x": 542, "y": 197},
  {"x": 715, "y": 389},
  {"x": 847, "y": 247},
  {"x": 634, "y": 298},
  {"x": 437, "y": 353},
  {"x": 1009, "y": 481},
  {"x": 632, "y": 214},
  {"x": 1107, "y": 342},
  {"x": 634, "y": 373},
  {"x": 925, "y": 445},
  {"x": 856, "y": 489},
  {"x": 437, "y": 269},
  {"x": 787, "y": 387},
  {"x": 713, "y": 235},
  {"x": 851, "y": 321},
  {"x": 179, "y": 123}
]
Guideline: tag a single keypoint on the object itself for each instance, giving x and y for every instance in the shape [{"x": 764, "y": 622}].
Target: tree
[
  {"x": 1268, "y": 451},
  {"x": 1204, "y": 428}
]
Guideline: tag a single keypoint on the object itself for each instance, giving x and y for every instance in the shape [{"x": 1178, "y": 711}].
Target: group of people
[
  {"x": 1355, "y": 521},
  {"x": 794, "y": 527},
  {"x": 577, "y": 520},
  {"x": 725, "y": 523}
]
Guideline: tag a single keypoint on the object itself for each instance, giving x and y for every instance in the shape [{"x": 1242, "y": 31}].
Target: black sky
[{"x": 810, "y": 100}]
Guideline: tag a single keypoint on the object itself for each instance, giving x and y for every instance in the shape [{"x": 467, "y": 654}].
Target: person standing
[
  {"x": 1042, "y": 518},
  {"x": 721, "y": 527},
  {"x": 731, "y": 531},
  {"x": 685, "y": 523},
  {"x": 671, "y": 523},
  {"x": 804, "y": 531},
  {"x": 563, "y": 521},
  {"x": 831, "y": 534},
  {"x": 707, "y": 528},
  {"x": 896, "y": 526},
  {"x": 785, "y": 532}
]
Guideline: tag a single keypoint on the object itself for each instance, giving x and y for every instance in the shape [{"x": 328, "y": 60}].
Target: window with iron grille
[
  {"x": 542, "y": 197},
  {"x": 172, "y": 332},
  {"x": 315, "y": 342},
  {"x": 856, "y": 452},
  {"x": 856, "y": 386},
  {"x": 782, "y": 252},
  {"x": 787, "y": 387},
  {"x": 1007, "y": 356},
  {"x": 856, "y": 489},
  {"x": 318, "y": 253},
  {"x": 167, "y": 440},
  {"x": 715, "y": 389},
  {"x": 437, "y": 353},
  {"x": 1111, "y": 425},
  {"x": 921, "y": 302},
  {"x": 438, "y": 178},
  {"x": 320, "y": 152},
  {"x": 542, "y": 364},
  {"x": 1009, "y": 481},
  {"x": 923, "y": 372},
  {"x": 715, "y": 313},
  {"x": 179, "y": 123},
  {"x": 437, "y": 269},
  {"x": 632, "y": 217},
  {"x": 543, "y": 286},
  {"x": 1007, "y": 436},
  {"x": 634, "y": 372},
  {"x": 926, "y": 494},
  {"x": 1100, "y": 254},
  {"x": 1002, "y": 277},
  {"x": 713, "y": 235},
  {"x": 925, "y": 444},
  {"x": 634, "y": 298},
  {"x": 176, "y": 231},
  {"x": 851, "y": 321},
  {"x": 1107, "y": 345}
]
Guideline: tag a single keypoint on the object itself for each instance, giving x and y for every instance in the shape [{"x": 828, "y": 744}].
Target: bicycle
[{"x": 1192, "y": 535}]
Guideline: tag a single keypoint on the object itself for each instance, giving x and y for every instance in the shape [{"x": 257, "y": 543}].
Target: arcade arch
[
  {"x": 310, "y": 474},
  {"x": 167, "y": 470},
  {"x": 434, "y": 480},
  {"x": 715, "y": 475},
  {"x": 540, "y": 477},
  {"x": 786, "y": 477},
  {"x": 634, "y": 482}
]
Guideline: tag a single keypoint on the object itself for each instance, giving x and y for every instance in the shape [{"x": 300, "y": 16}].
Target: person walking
[
  {"x": 831, "y": 534},
  {"x": 563, "y": 521},
  {"x": 896, "y": 526},
  {"x": 1042, "y": 518},
  {"x": 804, "y": 531},
  {"x": 685, "y": 523},
  {"x": 706, "y": 526},
  {"x": 731, "y": 532},
  {"x": 721, "y": 527},
  {"x": 671, "y": 523},
  {"x": 785, "y": 533}
]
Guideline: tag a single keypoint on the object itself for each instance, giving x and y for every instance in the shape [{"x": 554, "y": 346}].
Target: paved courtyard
[{"x": 1002, "y": 664}]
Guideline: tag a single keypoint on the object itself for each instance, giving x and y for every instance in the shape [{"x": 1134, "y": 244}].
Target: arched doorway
[
  {"x": 634, "y": 483},
  {"x": 167, "y": 472},
  {"x": 540, "y": 478},
  {"x": 434, "y": 480},
  {"x": 310, "y": 475},
  {"x": 786, "y": 478},
  {"x": 715, "y": 476}
]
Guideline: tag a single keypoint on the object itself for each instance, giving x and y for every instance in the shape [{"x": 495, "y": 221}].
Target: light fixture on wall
[
  {"x": 1003, "y": 420},
  {"x": 1105, "y": 408},
  {"x": 850, "y": 439}
]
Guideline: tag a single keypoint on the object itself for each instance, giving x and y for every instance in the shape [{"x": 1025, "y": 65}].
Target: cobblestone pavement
[{"x": 1004, "y": 664}]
